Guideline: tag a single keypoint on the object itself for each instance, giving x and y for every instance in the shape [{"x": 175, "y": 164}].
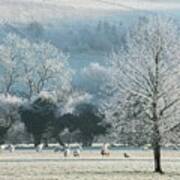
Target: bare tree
[
  {"x": 48, "y": 70},
  {"x": 12, "y": 51},
  {"x": 28, "y": 68},
  {"x": 145, "y": 82},
  {"x": 8, "y": 114}
]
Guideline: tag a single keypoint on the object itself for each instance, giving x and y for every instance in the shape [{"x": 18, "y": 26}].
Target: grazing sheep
[
  {"x": 39, "y": 148},
  {"x": 104, "y": 150},
  {"x": 11, "y": 148},
  {"x": 3, "y": 147},
  {"x": 77, "y": 151},
  {"x": 67, "y": 151},
  {"x": 126, "y": 155}
]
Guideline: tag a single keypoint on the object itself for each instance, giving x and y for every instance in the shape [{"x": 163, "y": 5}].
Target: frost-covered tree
[
  {"x": 145, "y": 86},
  {"x": 13, "y": 51},
  {"x": 47, "y": 71},
  {"x": 28, "y": 68},
  {"x": 68, "y": 103},
  {"x": 93, "y": 77},
  {"x": 8, "y": 114}
]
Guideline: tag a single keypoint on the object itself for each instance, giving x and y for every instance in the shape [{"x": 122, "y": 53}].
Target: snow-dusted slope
[{"x": 50, "y": 10}]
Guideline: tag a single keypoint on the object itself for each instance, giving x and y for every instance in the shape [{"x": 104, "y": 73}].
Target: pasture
[{"x": 26, "y": 164}]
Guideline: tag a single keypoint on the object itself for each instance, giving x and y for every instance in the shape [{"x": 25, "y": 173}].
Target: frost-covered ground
[{"x": 29, "y": 165}]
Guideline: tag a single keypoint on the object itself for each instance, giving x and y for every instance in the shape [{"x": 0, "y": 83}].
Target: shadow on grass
[
  {"x": 172, "y": 174},
  {"x": 125, "y": 173}
]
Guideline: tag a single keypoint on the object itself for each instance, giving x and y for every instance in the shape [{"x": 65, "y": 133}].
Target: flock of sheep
[
  {"x": 66, "y": 150},
  {"x": 76, "y": 151}
]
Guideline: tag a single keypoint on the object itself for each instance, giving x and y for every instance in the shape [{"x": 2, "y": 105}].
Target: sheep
[
  {"x": 104, "y": 150},
  {"x": 3, "y": 147},
  {"x": 77, "y": 151},
  {"x": 11, "y": 148},
  {"x": 67, "y": 152},
  {"x": 126, "y": 155},
  {"x": 39, "y": 147}
]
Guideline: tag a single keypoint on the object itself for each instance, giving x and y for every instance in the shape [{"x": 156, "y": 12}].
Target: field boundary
[{"x": 84, "y": 159}]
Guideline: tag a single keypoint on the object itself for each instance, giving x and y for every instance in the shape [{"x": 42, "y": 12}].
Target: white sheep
[
  {"x": 77, "y": 151},
  {"x": 11, "y": 148},
  {"x": 3, "y": 147},
  {"x": 39, "y": 148},
  {"x": 104, "y": 150}
]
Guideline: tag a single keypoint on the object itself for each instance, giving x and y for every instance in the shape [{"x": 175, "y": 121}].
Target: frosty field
[{"x": 47, "y": 165}]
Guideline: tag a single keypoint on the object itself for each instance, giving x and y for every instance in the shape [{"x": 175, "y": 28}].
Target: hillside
[
  {"x": 88, "y": 30},
  {"x": 23, "y": 11}
]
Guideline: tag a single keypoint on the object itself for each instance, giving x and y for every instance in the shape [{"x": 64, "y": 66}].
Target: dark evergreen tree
[{"x": 38, "y": 117}]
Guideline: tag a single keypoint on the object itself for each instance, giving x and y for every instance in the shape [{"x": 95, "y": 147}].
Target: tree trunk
[
  {"x": 156, "y": 132},
  {"x": 157, "y": 158},
  {"x": 46, "y": 145},
  {"x": 156, "y": 143},
  {"x": 37, "y": 140}
]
